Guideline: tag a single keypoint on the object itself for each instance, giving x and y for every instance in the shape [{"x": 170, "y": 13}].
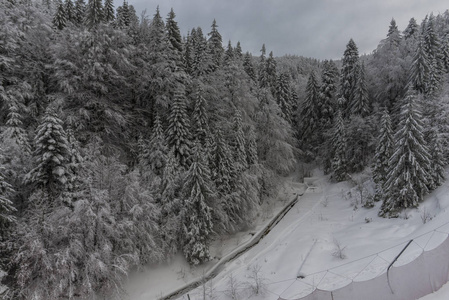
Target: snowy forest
[{"x": 124, "y": 142}]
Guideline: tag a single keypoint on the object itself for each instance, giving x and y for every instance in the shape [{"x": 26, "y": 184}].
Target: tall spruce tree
[
  {"x": 173, "y": 32},
  {"x": 158, "y": 150},
  {"x": 178, "y": 130},
  {"x": 408, "y": 180},
  {"x": 384, "y": 151},
  {"x": 339, "y": 145},
  {"x": 51, "y": 155},
  {"x": 59, "y": 19},
  {"x": 215, "y": 43},
  {"x": 283, "y": 97},
  {"x": 327, "y": 94},
  {"x": 238, "y": 142},
  {"x": 420, "y": 69},
  {"x": 348, "y": 77},
  {"x": 95, "y": 14},
  {"x": 69, "y": 11},
  {"x": 309, "y": 116},
  {"x": 360, "y": 101},
  {"x": 197, "y": 211},
  {"x": 79, "y": 13},
  {"x": 200, "y": 121},
  {"x": 249, "y": 67},
  {"x": 109, "y": 13}
]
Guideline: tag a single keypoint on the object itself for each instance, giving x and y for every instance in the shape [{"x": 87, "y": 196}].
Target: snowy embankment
[
  {"x": 163, "y": 281},
  {"x": 331, "y": 240}
]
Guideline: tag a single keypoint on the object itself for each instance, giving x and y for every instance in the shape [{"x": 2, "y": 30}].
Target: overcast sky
[{"x": 311, "y": 28}]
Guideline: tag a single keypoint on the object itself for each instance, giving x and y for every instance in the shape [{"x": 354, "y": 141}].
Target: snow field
[{"x": 325, "y": 217}]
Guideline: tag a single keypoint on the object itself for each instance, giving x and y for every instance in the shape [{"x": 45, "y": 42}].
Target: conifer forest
[{"x": 124, "y": 142}]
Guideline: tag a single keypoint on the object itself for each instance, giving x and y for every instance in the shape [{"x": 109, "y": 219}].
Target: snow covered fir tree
[{"x": 125, "y": 143}]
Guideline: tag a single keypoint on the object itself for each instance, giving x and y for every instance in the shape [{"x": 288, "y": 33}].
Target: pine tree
[
  {"x": 407, "y": 180},
  {"x": 79, "y": 13},
  {"x": 412, "y": 29},
  {"x": 229, "y": 54},
  {"x": 171, "y": 204},
  {"x": 123, "y": 15},
  {"x": 339, "y": 144},
  {"x": 393, "y": 35},
  {"x": 271, "y": 73},
  {"x": 309, "y": 116},
  {"x": 69, "y": 9},
  {"x": 7, "y": 208},
  {"x": 327, "y": 94},
  {"x": 15, "y": 129},
  {"x": 109, "y": 13},
  {"x": 419, "y": 70},
  {"x": 197, "y": 215},
  {"x": 384, "y": 151},
  {"x": 59, "y": 20},
  {"x": 348, "y": 77},
  {"x": 283, "y": 97},
  {"x": 174, "y": 34},
  {"x": 238, "y": 142},
  {"x": 437, "y": 161},
  {"x": 201, "y": 61},
  {"x": 249, "y": 67},
  {"x": 178, "y": 130},
  {"x": 251, "y": 147},
  {"x": 432, "y": 47},
  {"x": 158, "y": 150},
  {"x": 360, "y": 101},
  {"x": 94, "y": 13},
  {"x": 51, "y": 155},
  {"x": 215, "y": 43},
  {"x": 200, "y": 126},
  {"x": 262, "y": 75},
  {"x": 238, "y": 51}
]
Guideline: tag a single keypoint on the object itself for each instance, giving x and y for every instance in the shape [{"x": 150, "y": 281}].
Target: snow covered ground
[{"x": 328, "y": 237}]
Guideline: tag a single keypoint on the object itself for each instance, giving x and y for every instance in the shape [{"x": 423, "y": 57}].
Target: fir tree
[
  {"x": 59, "y": 20},
  {"x": 393, "y": 35},
  {"x": 251, "y": 147},
  {"x": 178, "y": 130},
  {"x": 348, "y": 78},
  {"x": 15, "y": 129},
  {"x": 79, "y": 13},
  {"x": 158, "y": 150},
  {"x": 419, "y": 70},
  {"x": 7, "y": 208},
  {"x": 339, "y": 145},
  {"x": 262, "y": 75},
  {"x": 283, "y": 97},
  {"x": 51, "y": 155},
  {"x": 174, "y": 34},
  {"x": 327, "y": 94},
  {"x": 197, "y": 211},
  {"x": 123, "y": 15},
  {"x": 437, "y": 161},
  {"x": 94, "y": 13},
  {"x": 69, "y": 11},
  {"x": 215, "y": 43},
  {"x": 238, "y": 51},
  {"x": 229, "y": 54},
  {"x": 200, "y": 126},
  {"x": 238, "y": 142},
  {"x": 109, "y": 13},
  {"x": 249, "y": 67},
  {"x": 309, "y": 116},
  {"x": 384, "y": 151},
  {"x": 412, "y": 29},
  {"x": 271, "y": 73},
  {"x": 360, "y": 101},
  {"x": 407, "y": 180}
]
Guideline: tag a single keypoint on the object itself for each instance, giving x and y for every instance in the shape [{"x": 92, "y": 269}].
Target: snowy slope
[{"x": 305, "y": 243}]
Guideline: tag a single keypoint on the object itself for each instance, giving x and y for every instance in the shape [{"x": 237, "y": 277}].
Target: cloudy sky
[{"x": 312, "y": 28}]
